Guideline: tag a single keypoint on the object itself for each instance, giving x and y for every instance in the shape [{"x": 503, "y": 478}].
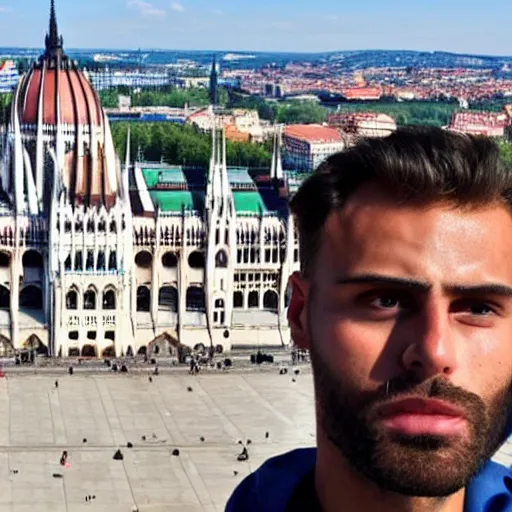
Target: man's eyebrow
[
  {"x": 384, "y": 280},
  {"x": 424, "y": 286},
  {"x": 480, "y": 289}
]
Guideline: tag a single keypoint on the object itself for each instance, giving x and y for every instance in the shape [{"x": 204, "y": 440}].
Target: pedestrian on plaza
[
  {"x": 404, "y": 303},
  {"x": 64, "y": 459}
]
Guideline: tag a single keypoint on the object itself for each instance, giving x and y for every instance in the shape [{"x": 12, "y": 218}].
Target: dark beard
[{"x": 423, "y": 466}]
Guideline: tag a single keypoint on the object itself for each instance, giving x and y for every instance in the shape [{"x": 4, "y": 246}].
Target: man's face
[{"x": 417, "y": 296}]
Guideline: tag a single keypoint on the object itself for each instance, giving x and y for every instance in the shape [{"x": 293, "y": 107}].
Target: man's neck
[{"x": 336, "y": 482}]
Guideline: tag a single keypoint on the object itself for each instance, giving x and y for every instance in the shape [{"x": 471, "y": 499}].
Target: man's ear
[{"x": 297, "y": 314}]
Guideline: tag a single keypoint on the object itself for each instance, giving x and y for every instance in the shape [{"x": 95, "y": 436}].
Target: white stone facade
[{"x": 92, "y": 265}]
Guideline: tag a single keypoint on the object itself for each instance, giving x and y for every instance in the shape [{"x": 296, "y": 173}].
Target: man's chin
[{"x": 423, "y": 466}]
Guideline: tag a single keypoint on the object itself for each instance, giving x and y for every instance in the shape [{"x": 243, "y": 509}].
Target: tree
[
  {"x": 183, "y": 145},
  {"x": 506, "y": 151},
  {"x": 301, "y": 113}
]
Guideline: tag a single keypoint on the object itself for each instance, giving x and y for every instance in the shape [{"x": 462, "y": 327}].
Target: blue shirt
[{"x": 270, "y": 488}]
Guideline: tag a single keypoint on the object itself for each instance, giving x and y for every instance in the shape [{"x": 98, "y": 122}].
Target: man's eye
[
  {"x": 386, "y": 302},
  {"x": 474, "y": 308},
  {"x": 480, "y": 309}
]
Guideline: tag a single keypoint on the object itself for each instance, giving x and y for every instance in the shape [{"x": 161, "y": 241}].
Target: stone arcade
[{"x": 101, "y": 258}]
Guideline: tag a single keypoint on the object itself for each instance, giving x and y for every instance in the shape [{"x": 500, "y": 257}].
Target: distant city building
[
  {"x": 134, "y": 79},
  {"x": 363, "y": 124},
  {"x": 124, "y": 102},
  {"x": 307, "y": 145},
  {"x": 492, "y": 124},
  {"x": 273, "y": 90},
  {"x": 150, "y": 114},
  {"x": 362, "y": 93},
  {"x": 245, "y": 122},
  {"x": 9, "y": 76}
]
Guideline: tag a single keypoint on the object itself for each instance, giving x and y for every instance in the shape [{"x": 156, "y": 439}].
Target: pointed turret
[
  {"x": 276, "y": 171},
  {"x": 214, "y": 83},
  {"x": 53, "y": 42}
]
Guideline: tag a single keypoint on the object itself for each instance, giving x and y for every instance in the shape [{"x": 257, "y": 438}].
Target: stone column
[{"x": 15, "y": 296}]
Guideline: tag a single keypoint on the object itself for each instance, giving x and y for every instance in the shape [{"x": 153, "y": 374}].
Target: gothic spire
[
  {"x": 53, "y": 41},
  {"x": 214, "y": 83}
]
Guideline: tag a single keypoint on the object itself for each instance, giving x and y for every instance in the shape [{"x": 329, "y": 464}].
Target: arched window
[
  {"x": 113, "y": 227},
  {"x": 112, "y": 261},
  {"x": 5, "y": 298},
  {"x": 78, "y": 261},
  {"x": 109, "y": 299},
  {"x": 195, "y": 299},
  {"x": 32, "y": 259},
  {"x": 221, "y": 259},
  {"x": 72, "y": 300},
  {"x": 5, "y": 259},
  {"x": 196, "y": 260},
  {"x": 270, "y": 300},
  {"x": 31, "y": 297},
  {"x": 100, "y": 265},
  {"x": 89, "y": 265},
  {"x": 109, "y": 352},
  {"x": 168, "y": 299},
  {"x": 90, "y": 299},
  {"x": 67, "y": 263},
  {"x": 144, "y": 259},
  {"x": 89, "y": 351},
  {"x": 143, "y": 299},
  {"x": 169, "y": 260},
  {"x": 90, "y": 226},
  {"x": 102, "y": 226},
  {"x": 238, "y": 300},
  {"x": 254, "y": 299}
]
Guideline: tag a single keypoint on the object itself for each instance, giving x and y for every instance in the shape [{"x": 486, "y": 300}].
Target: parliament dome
[
  {"x": 60, "y": 141},
  {"x": 56, "y": 89}
]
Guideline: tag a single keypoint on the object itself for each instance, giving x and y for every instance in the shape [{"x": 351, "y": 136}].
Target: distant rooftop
[{"x": 312, "y": 133}]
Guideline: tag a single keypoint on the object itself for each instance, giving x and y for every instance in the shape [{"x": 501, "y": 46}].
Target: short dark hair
[{"x": 428, "y": 164}]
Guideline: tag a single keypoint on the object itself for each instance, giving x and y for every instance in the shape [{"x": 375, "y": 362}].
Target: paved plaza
[{"x": 38, "y": 422}]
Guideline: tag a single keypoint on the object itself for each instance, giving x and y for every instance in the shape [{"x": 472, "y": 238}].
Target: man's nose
[{"x": 431, "y": 349}]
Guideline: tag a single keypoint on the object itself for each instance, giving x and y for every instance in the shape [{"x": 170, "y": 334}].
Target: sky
[{"x": 470, "y": 26}]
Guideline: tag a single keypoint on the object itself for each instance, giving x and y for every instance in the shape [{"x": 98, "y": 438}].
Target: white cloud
[
  {"x": 332, "y": 17},
  {"x": 176, "y": 6},
  {"x": 218, "y": 12},
  {"x": 145, "y": 8},
  {"x": 4, "y": 8}
]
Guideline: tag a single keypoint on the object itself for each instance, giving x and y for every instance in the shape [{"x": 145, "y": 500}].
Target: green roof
[
  {"x": 154, "y": 176},
  {"x": 176, "y": 200},
  {"x": 240, "y": 176},
  {"x": 249, "y": 202}
]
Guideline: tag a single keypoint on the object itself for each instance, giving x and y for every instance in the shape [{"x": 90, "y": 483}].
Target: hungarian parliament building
[{"x": 101, "y": 256}]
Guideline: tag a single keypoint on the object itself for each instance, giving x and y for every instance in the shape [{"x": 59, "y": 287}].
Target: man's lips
[
  {"x": 420, "y": 406},
  {"x": 418, "y": 416}
]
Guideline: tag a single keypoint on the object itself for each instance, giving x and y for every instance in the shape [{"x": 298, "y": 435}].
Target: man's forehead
[{"x": 382, "y": 231}]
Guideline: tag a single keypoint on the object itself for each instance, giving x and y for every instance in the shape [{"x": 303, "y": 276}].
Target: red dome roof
[{"x": 67, "y": 96}]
